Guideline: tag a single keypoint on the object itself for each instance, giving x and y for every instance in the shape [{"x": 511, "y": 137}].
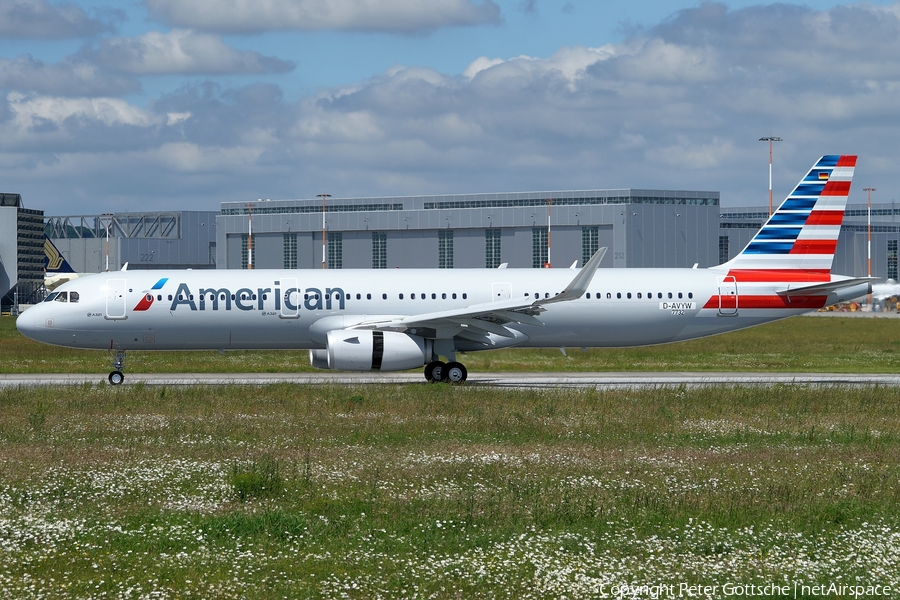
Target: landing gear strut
[
  {"x": 117, "y": 376},
  {"x": 452, "y": 372}
]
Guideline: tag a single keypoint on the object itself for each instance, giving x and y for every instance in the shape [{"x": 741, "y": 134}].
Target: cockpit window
[
  {"x": 73, "y": 297},
  {"x": 62, "y": 297},
  {"x": 51, "y": 297}
]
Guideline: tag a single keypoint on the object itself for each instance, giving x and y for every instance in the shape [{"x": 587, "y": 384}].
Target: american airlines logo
[
  {"x": 269, "y": 298},
  {"x": 147, "y": 300}
]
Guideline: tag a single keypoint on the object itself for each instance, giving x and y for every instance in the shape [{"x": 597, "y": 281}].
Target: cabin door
[
  {"x": 728, "y": 296},
  {"x": 115, "y": 299}
]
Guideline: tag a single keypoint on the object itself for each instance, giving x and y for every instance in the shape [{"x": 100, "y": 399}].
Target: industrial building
[
  {"x": 151, "y": 240},
  {"x": 21, "y": 252},
  {"x": 641, "y": 228}
]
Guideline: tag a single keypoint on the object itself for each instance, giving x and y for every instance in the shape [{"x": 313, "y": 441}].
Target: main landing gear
[
  {"x": 117, "y": 376},
  {"x": 452, "y": 372}
]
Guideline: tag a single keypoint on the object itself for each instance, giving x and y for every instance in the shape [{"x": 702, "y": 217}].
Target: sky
[{"x": 157, "y": 105}]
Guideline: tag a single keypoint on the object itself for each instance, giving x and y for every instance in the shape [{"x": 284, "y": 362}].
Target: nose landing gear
[{"x": 117, "y": 376}]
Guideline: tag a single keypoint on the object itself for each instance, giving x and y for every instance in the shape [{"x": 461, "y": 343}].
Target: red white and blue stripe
[{"x": 802, "y": 235}]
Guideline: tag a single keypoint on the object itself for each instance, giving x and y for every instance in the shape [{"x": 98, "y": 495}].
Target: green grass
[
  {"x": 444, "y": 492},
  {"x": 800, "y": 344}
]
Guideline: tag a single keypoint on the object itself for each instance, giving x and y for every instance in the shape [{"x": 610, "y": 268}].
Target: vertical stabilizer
[
  {"x": 54, "y": 261},
  {"x": 803, "y": 233}
]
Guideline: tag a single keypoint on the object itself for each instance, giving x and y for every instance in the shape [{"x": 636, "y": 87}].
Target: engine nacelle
[
  {"x": 364, "y": 350},
  {"x": 318, "y": 359}
]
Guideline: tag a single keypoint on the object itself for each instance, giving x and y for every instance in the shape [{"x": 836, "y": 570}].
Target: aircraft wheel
[
  {"x": 455, "y": 373},
  {"x": 116, "y": 377},
  {"x": 434, "y": 371}
]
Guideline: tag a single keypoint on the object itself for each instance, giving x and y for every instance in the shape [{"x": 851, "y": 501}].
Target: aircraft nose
[
  {"x": 31, "y": 324},
  {"x": 28, "y": 323}
]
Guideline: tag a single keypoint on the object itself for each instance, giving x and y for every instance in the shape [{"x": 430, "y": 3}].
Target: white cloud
[
  {"x": 40, "y": 19},
  {"x": 680, "y": 106},
  {"x": 28, "y": 110},
  {"x": 480, "y": 64},
  {"x": 181, "y": 51},
  {"x": 306, "y": 15},
  {"x": 569, "y": 63},
  {"x": 70, "y": 77}
]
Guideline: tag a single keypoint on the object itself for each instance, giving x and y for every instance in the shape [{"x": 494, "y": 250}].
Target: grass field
[
  {"x": 801, "y": 344},
  {"x": 446, "y": 492},
  {"x": 422, "y": 491}
]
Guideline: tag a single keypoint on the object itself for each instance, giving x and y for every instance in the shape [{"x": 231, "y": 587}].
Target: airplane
[
  {"x": 57, "y": 269},
  {"x": 362, "y": 320}
]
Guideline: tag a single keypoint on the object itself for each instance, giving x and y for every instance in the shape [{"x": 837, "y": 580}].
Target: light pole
[
  {"x": 250, "y": 236},
  {"x": 549, "y": 202},
  {"x": 869, "y": 191},
  {"x": 323, "y": 197},
  {"x": 107, "y": 215},
  {"x": 770, "y": 139}
]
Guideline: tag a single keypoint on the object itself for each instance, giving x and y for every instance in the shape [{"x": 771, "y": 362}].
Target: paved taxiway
[{"x": 516, "y": 380}]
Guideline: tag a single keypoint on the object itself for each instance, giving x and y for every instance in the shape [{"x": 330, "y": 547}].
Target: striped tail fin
[{"x": 803, "y": 233}]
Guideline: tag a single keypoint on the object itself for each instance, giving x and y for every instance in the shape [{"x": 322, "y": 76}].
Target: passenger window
[
  {"x": 639, "y": 295},
  {"x": 619, "y": 295},
  {"x": 608, "y": 295},
  {"x": 588, "y": 295},
  {"x": 401, "y": 296},
  {"x": 159, "y": 297},
  {"x": 434, "y": 296},
  {"x": 412, "y": 296},
  {"x": 454, "y": 295},
  {"x": 465, "y": 296},
  {"x": 443, "y": 296},
  {"x": 170, "y": 296},
  {"x": 628, "y": 295},
  {"x": 670, "y": 294},
  {"x": 679, "y": 295},
  {"x": 359, "y": 296},
  {"x": 690, "y": 294},
  {"x": 384, "y": 297}
]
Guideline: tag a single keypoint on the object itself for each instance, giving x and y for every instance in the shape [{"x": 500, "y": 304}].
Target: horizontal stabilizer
[{"x": 826, "y": 287}]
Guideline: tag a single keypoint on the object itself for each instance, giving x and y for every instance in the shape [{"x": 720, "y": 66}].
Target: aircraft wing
[
  {"x": 477, "y": 321},
  {"x": 826, "y": 287}
]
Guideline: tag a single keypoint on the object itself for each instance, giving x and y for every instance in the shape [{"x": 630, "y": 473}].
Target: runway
[{"x": 616, "y": 380}]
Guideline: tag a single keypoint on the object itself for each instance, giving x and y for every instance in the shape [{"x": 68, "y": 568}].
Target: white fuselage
[{"x": 294, "y": 309}]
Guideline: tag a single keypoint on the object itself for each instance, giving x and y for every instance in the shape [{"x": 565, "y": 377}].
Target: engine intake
[{"x": 363, "y": 350}]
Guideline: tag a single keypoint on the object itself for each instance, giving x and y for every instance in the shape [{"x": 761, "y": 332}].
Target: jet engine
[{"x": 364, "y": 350}]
